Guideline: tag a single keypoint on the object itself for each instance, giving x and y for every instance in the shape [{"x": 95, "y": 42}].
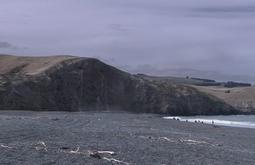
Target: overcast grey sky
[{"x": 201, "y": 34}]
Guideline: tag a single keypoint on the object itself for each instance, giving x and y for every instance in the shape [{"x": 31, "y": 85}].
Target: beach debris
[
  {"x": 107, "y": 152},
  {"x": 55, "y": 119},
  {"x": 65, "y": 148},
  {"x": 167, "y": 139},
  {"x": 148, "y": 137},
  {"x": 102, "y": 155},
  {"x": 112, "y": 160},
  {"x": 94, "y": 154},
  {"x": 76, "y": 151},
  {"x": 98, "y": 154},
  {"x": 5, "y": 146},
  {"x": 189, "y": 141},
  {"x": 40, "y": 145},
  {"x": 159, "y": 138}
]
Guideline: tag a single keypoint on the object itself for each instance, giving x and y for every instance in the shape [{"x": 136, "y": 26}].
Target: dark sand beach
[{"x": 62, "y": 138}]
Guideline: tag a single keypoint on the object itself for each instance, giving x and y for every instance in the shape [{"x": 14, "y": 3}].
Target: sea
[{"x": 243, "y": 121}]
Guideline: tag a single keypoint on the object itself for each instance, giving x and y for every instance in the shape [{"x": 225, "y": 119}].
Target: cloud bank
[{"x": 206, "y": 35}]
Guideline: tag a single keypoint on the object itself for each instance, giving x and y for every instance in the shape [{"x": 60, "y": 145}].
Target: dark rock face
[{"x": 83, "y": 84}]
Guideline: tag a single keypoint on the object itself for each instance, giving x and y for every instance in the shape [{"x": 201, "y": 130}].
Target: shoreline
[
  {"x": 118, "y": 138},
  {"x": 216, "y": 120}
]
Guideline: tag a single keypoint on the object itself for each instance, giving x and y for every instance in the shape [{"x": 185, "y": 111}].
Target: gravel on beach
[{"x": 98, "y": 138}]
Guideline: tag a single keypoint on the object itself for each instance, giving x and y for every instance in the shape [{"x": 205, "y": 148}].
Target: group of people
[{"x": 196, "y": 121}]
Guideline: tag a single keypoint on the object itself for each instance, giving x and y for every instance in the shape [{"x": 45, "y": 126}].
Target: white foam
[{"x": 215, "y": 121}]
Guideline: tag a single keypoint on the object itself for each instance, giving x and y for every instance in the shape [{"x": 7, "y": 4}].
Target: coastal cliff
[{"x": 68, "y": 83}]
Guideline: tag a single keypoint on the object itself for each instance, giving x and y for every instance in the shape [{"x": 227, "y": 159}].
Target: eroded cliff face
[{"x": 81, "y": 84}]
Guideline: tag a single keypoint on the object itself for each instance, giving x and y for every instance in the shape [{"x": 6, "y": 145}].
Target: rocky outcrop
[{"x": 79, "y": 84}]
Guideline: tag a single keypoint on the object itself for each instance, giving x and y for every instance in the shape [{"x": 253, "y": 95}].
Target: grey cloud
[
  {"x": 6, "y": 45},
  {"x": 204, "y": 35},
  {"x": 230, "y": 9},
  {"x": 224, "y": 12}
]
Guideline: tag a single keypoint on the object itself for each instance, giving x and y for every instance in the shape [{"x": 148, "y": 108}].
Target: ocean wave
[{"x": 214, "y": 121}]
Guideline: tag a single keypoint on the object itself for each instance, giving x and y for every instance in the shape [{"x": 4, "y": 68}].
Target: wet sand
[{"x": 47, "y": 138}]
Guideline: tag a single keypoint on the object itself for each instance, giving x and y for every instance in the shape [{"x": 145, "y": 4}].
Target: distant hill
[
  {"x": 69, "y": 83},
  {"x": 181, "y": 80},
  {"x": 194, "y": 81},
  {"x": 242, "y": 98},
  {"x": 183, "y": 72},
  {"x": 239, "y": 95}
]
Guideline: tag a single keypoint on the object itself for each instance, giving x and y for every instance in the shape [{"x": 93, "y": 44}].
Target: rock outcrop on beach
[{"x": 68, "y": 83}]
